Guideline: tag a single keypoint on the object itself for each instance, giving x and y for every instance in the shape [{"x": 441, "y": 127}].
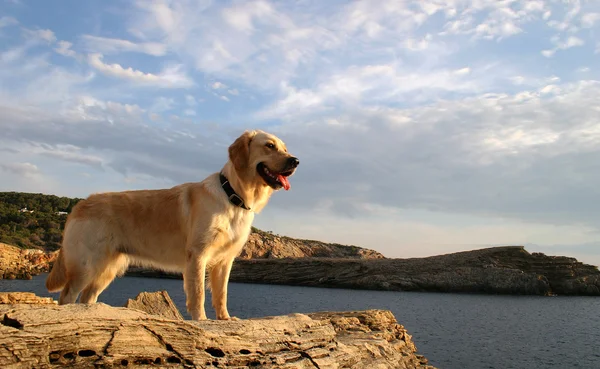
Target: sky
[{"x": 422, "y": 127}]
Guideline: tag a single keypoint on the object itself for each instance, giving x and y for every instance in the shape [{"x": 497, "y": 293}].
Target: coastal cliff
[
  {"x": 16, "y": 263},
  {"x": 496, "y": 270},
  {"x": 41, "y": 334}
]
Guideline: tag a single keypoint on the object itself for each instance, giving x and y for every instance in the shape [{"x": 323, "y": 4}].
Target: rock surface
[
  {"x": 97, "y": 335},
  {"x": 498, "y": 270},
  {"x": 156, "y": 303},
  {"x": 24, "y": 298},
  {"x": 16, "y": 263},
  {"x": 264, "y": 245}
]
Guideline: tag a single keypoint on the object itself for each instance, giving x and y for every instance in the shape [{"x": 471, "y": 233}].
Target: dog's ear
[{"x": 239, "y": 151}]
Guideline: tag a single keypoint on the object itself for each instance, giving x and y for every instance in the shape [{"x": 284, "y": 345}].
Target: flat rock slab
[{"x": 98, "y": 335}]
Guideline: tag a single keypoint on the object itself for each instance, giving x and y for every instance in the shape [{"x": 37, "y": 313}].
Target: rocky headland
[
  {"x": 265, "y": 245},
  {"x": 16, "y": 263},
  {"x": 496, "y": 270},
  {"x": 37, "y": 333}
]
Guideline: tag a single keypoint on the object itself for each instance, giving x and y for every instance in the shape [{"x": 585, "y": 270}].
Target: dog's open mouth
[{"x": 274, "y": 179}]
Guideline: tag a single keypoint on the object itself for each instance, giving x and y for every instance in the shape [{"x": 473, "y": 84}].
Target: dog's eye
[{"x": 270, "y": 145}]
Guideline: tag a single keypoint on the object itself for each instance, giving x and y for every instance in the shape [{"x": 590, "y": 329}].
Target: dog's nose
[{"x": 293, "y": 162}]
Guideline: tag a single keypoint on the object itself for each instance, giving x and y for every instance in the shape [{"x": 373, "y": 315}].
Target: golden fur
[{"x": 191, "y": 228}]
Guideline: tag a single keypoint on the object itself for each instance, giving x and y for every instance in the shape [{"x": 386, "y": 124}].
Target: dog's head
[{"x": 264, "y": 157}]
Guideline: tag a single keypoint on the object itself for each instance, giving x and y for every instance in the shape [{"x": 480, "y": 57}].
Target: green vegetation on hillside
[{"x": 33, "y": 220}]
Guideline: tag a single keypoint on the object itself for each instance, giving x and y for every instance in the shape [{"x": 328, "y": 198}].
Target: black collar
[{"x": 234, "y": 198}]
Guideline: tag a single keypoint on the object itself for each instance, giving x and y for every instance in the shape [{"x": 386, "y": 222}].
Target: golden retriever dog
[{"x": 194, "y": 228}]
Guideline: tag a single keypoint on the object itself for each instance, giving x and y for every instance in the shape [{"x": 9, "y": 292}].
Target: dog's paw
[{"x": 230, "y": 318}]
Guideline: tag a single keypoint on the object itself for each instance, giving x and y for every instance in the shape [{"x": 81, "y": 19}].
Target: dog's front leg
[
  {"x": 219, "y": 279},
  {"x": 193, "y": 282}
]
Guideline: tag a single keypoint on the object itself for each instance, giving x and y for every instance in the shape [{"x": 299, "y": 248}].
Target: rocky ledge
[
  {"x": 16, "y": 263},
  {"x": 149, "y": 333},
  {"x": 497, "y": 270}
]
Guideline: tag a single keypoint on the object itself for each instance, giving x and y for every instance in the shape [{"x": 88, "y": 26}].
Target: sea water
[{"x": 454, "y": 331}]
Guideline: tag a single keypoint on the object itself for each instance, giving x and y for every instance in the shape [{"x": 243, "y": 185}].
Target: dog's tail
[{"x": 57, "y": 278}]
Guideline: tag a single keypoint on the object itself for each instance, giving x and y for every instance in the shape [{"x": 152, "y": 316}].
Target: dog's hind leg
[
  {"x": 72, "y": 289},
  {"x": 103, "y": 278},
  {"x": 88, "y": 253}
]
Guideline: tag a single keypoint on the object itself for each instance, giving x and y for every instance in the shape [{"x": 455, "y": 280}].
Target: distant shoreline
[
  {"x": 496, "y": 270},
  {"x": 509, "y": 270}
]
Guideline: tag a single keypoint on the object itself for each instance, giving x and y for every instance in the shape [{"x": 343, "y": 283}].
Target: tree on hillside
[{"x": 40, "y": 229}]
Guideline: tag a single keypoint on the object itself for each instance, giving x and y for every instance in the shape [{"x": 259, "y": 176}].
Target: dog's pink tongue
[{"x": 284, "y": 181}]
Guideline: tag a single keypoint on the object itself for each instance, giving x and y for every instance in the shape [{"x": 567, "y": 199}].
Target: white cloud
[
  {"x": 171, "y": 77},
  {"x": 493, "y": 20},
  {"x": 445, "y": 153},
  {"x": 190, "y": 100},
  {"x": 570, "y": 42},
  {"x": 218, "y": 85},
  {"x": 224, "y": 98},
  {"x": 69, "y": 153},
  {"x": 21, "y": 169},
  {"x": 559, "y": 26},
  {"x": 162, "y": 104},
  {"x": 7, "y": 21},
  {"x": 41, "y": 34},
  {"x": 243, "y": 41},
  {"x": 517, "y": 80},
  {"x": 14, "y": 54},
  {"x": 418, "y": 44},
  {"x": 242, "y": 17},
  {"x": 233, "y": 92},
  {"x": 64, "y": 48},
  {"x": 547, "y": 14},
  {"x": 373, "y": 84},
  {"x": 32, "y": 38},
  {"x": 549, "y": 89},
  {"x": 23, "y": 176},
  {"x": 588, "y": 20},
  {"x": 463, "y": 71},
  {"x": 105, "y": 45}
]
